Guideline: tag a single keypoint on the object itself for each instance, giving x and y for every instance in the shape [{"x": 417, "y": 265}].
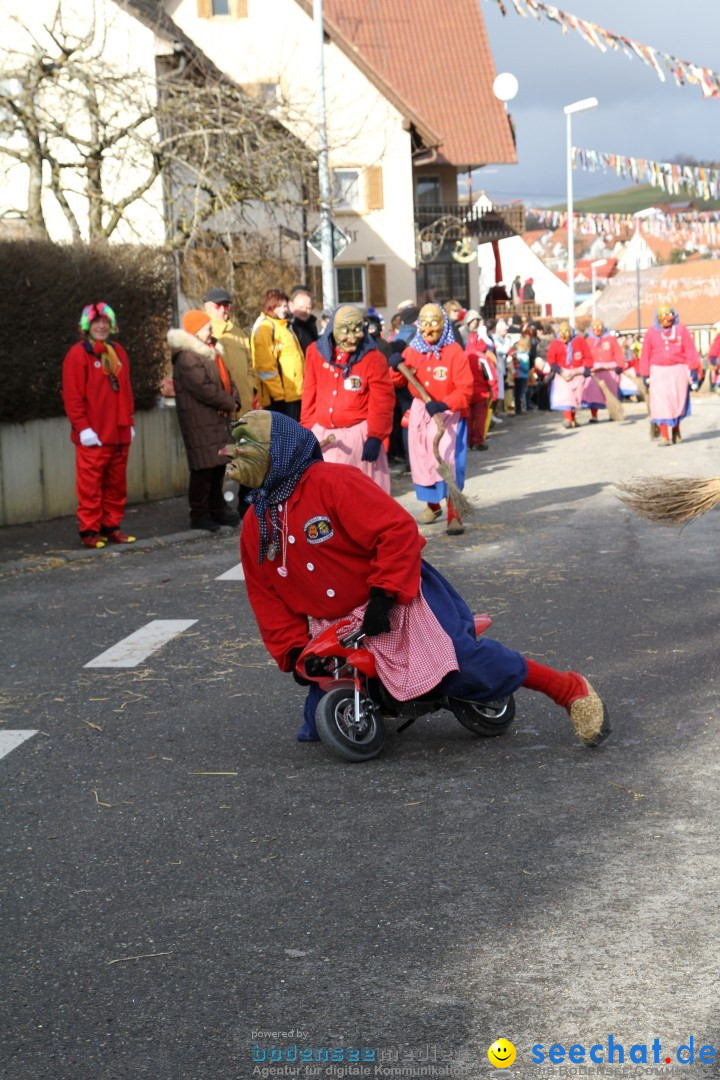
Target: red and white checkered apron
[{"x": 414, "y": 656}]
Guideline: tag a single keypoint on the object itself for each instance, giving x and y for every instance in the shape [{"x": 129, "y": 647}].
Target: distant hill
[{"x": 630, "y": 200}]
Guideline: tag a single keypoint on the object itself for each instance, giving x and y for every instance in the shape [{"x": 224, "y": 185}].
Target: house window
[
  {"x": 346, "y": 189},
  {"x": 350, "y": 282},
  {"x": 221, "y": 7},
  {"x": 428, "y": 191}
]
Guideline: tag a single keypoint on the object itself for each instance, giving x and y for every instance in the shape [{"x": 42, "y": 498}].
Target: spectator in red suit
[{"x": 98, "y": 400}]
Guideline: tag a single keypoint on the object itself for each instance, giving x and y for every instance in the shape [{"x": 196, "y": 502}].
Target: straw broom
[
  {"x": 705, "y": 387},
  {"x": 461, "y": 503},
  {"x": 614, "y": 405},
  {"x": 669, "y": 500}
]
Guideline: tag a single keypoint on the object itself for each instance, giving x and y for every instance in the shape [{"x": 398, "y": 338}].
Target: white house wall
[
  {"x": 517, "y": 258},
  {"x": 128, "y": 47},
  {"x": 276, "y": 43}
]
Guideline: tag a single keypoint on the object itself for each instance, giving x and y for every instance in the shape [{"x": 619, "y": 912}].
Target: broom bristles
[
  {"x": 614, "y": 406},
  {"x": 461, "y": 502},
  {"x": 706, "y": 385},
  {"x": 669, "y": 500}
]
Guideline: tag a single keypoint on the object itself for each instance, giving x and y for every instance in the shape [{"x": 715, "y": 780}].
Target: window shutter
[
  {"x": 377, "y": 286},
  {"x": 204, "y": 9},
  {"x": 240, "y": 9},
  {"x": 374, "y": 187}
]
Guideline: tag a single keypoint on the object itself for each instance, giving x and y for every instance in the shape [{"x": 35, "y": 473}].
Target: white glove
[
  {"x": 89, "y": 438},
  {"x": 132, "y": 433}
]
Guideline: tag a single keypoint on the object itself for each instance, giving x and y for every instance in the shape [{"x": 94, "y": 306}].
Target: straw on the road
[{"x": 668, "y": 500}]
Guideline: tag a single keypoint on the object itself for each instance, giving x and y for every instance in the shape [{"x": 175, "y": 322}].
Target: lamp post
[
  {"x": 597, "y": 262},
  {"x": 576, "y": 107},
  {"x": 326, "y": 228}
]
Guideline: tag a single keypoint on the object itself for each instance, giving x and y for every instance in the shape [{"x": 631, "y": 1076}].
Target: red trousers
[
  {"x": 101, "y": 486},
  {"x": 477, "y": 422}
]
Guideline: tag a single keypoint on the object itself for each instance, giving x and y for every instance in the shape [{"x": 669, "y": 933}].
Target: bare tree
[{"x": 102, "y": 138}]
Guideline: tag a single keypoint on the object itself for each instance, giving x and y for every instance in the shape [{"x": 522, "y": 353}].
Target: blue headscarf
[
  {"x": 293, "y": 449},
  {"x": 326, "y": 346},
  {"x": 446, "y": 338}
]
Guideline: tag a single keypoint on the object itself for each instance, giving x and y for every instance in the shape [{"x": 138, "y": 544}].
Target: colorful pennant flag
[
  {"x": 683, "y": 71},
  {"x": 699, "y": 181}
]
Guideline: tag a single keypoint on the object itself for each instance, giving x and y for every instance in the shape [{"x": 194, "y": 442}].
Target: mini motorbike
[{"x": 350, "y": 715}]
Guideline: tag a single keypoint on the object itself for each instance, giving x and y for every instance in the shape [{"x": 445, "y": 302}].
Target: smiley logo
[{"x": 501, "y": 1054}]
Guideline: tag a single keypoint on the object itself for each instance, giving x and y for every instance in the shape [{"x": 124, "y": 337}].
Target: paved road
[{"x": 452, "y": 891}]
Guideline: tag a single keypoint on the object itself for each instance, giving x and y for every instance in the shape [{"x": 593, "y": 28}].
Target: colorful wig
[{"x": 97, "y": 311}]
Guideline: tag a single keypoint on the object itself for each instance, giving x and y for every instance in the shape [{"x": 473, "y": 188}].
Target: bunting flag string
[
  {"x": 682, "y": 71},
  {"x": 699, "y": 181},
  {"x": 699, "y": 229}
]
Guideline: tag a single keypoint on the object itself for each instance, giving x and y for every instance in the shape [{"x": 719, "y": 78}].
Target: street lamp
[
  {"x": 597, "y": 262},
  {"x": 576, "y": 107}
]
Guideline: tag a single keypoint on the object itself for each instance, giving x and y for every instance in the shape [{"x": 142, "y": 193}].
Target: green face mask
[
  {"x": 249, "y": 454},
  {"x": 348, "y": 328}
]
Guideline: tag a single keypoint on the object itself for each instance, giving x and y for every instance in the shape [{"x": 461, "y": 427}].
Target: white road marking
[
  {"x": 236, "y": 574},
  {"x": 10, "y": 739},
  {"x": 135, "y": 648}
]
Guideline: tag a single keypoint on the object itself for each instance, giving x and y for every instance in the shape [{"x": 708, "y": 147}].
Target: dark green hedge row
[{"x": 43, "y": 289}]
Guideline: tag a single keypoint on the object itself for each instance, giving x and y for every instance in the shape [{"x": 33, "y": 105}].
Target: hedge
[{"x": 43, "y": 289}]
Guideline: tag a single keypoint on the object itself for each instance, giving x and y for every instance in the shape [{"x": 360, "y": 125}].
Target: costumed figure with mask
[
  {"x": 571, "y": 360},
  {"x": 608, "y": 365},
  {"x": 322, "y": 542},
  {"x": 668, "y": 357},
  {"x": 348, "y": 394},
  {"x": 440, "y": 364}
]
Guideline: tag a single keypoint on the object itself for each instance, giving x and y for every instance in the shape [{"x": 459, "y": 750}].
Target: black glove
[
  {"x": 377, "y": 613},
  {"x": 314, "y": 666},
  {"x": 618, "y": 371},
  {"x": 371, "y": 448},
  {"x": 435, "y": 407},
  {"x": 394, "y": 359},
  {"x": 646, "y": 381},
  {"x": 587, "y": 371},
  {"x": 556, "y": 368}
]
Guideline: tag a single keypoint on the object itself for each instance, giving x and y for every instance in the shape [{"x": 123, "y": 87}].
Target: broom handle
[{"x": 424, "y": 396}]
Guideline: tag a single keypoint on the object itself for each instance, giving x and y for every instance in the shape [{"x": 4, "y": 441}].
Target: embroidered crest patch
[
  {"x": 440, "y": 373},
  {"x": 353, "y": 382},
  {"x": 318, "y": 529}
]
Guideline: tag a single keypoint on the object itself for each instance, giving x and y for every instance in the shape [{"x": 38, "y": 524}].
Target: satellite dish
[{"x": 505, "y": 86}]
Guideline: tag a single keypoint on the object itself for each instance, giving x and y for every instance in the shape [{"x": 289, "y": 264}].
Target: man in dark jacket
[{"x": 303, "y": 322}]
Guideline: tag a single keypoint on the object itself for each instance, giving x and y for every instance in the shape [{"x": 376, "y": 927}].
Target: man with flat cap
[{"x": 234, "y": 344}]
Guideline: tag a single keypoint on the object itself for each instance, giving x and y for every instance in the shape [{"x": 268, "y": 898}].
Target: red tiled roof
[
  {"x": 693, "y": 289},
  {"x": 435, "y": 56}
]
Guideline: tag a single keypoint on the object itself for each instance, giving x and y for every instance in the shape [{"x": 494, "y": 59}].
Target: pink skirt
[
  {"x": 422, "y": 430},
  {"x": 414, "y": 657},
  {"x": 593, "y": 395},
  {"x": 669, "y": 393},
  {"x": 567, "y": 395},
  {"x": 347, "y": 450}
]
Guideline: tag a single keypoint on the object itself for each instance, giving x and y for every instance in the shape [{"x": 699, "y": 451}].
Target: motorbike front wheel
[
  {"x": 341, "y": 733},
  {"x": 486, "y": 718}
]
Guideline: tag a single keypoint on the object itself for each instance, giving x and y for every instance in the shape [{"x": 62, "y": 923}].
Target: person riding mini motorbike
[{"x": 325, "y": 544}]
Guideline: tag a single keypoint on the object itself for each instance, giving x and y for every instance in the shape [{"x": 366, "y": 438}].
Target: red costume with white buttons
[
  {"x": 447, "y": 379},
  {"x": 566, "y": 394},
  {"x": 344, "y": 536},
  {"x": 337, "y": 402}
]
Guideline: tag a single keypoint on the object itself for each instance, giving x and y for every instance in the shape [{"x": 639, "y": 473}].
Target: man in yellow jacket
[
  {"x": 277, "y": 357},
  {"x": 235, "y": 345}
]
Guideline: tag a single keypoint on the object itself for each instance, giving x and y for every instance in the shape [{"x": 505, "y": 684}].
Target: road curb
[{"x": 62, "y": 558}]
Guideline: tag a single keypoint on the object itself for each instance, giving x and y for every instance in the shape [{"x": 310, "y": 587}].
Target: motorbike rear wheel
[
  {"x": 338, "y": 730},
  {"x": 487, "y": 718}
]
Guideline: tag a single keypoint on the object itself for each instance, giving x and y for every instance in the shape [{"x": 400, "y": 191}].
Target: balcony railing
[{"x": 495, "y": 223}]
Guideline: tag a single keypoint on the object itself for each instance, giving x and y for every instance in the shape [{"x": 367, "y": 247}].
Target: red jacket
[
  {"x": 485, "y": 384},
  {"x": 607, "y": 352},
  {"x": 664, "y": 348},
  {"x": 333, "y": 401},
  {"x": 447, "y": 379},
  {"x": 581, "y": 354},
  {"x": 366, "y": 539},
  {"x": 89, "y": 399},
  {"x": 714, "y": 353}
]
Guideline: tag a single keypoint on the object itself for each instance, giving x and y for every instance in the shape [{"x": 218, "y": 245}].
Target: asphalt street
[{"x": 183, "y": 882}]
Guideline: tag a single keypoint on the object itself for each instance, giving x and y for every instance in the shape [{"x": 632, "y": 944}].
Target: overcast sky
[{"x": 638, "y": 115}]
